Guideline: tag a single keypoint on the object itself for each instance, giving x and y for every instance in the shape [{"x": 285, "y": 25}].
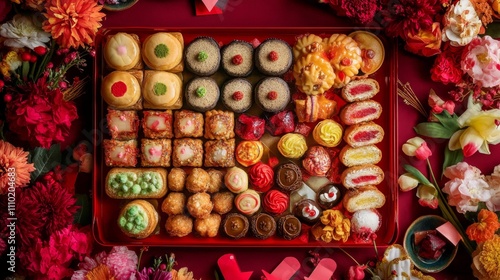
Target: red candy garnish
[
  {"x": 281, "y": 123},
  {"x": 249, "y": 127},
  {"x": 341, "y": 75},
  {"x": 365, "y": 178},
  {"x": 272, "y": 95},
  {"x": 346, "y": 62},
  {"x": 273, "y": 56},
  {"x": 119, "y": 89},
  {"x": 237, "y": 59},
  {"x": 237, "y": 95}
]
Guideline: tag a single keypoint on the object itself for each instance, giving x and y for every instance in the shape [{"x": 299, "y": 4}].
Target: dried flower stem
[
  {"x": 76, "y": 90},
  {"x": 410, "y": 98}
]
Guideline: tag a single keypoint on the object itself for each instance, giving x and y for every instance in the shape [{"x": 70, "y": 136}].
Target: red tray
[{"x": 106, "y": 210}]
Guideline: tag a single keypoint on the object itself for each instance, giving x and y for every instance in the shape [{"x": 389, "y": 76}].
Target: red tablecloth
[{"x": 294, "y": 13}]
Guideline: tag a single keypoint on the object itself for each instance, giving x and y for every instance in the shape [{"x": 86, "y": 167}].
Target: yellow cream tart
[
  {"x": 122, "y": 51},
  {"x": 120, "y": 89},
  {"x": 163, "y": 51},
  {"x": 161, "y": 90},
  {"x": 292, "y": 145},
  {"x": 328, "y": 133}
]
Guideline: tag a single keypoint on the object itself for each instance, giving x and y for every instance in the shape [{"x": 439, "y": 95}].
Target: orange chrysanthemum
[
  {"x": 73, "y": 23},
  {"x": 486, "y": 260},
  {"x": 486, "y": 226},
  {"x": 14, "y": 167}
]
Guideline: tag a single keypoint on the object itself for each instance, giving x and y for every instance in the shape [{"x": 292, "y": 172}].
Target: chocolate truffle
[
  {"x": 308, "y": 211},
  {"x": 289, "y": 177},
  {"x": 329, "y": 196},
  {"x": 235, "y": 225},
  {"x": 263, "y": 226},
  {"x": 289, "y": 227}
]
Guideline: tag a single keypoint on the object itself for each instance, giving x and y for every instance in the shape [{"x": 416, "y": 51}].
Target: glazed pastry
[
  {"x": 308, "y": 211},
  {"x": 187, "y": 152},
  {"x": 372, "y": 51},
  {"x": 157, "y": 124},
  {"x": 272, "y": 94},
  {"x": 237, "y": 95},
  {"x": 317, "y": 161},
  {"x": 188, "y": 124},
  {"x": 329, "y": 196},
  {"x": 306, "y": 44},
  {"x": 361, "y": 111},
  {"x": 128, "y": 183},
  {"x": 365, "y": 197},
  {"x": 249, "y": 152},
  {"x": 156, "y": 152},
  {"x": 261, "y": 177},
  {"x": 313, "y": 74},
  {"x": 292, "y": 145},
  {"x": 364, "y": 224},
  {"x": 197, "y": 181},
  {"x": 202, "y": 93},
  {"x": 219, "y": 153},
  {"x": 122, "y": 51},
  {"x": 174, "y": 203},
  {"x": 359, "y": 90},
  {"x": 138, "y": 219},
  {"x": 237, "y": 58},
  {"x": 120, "y": 153},
  {"x": 176, "y": 179},
  {"x": 328, "y": 133},
  {"x": 223, "y": 202},
  {"x": 289, "y": 227},
  {"x": 275, "y": 202},
  {"x": 122, "y": 90},
  {"x": 179, "y": 225},
  {"x": 219, "y": 125},
  {"x": 263, "y": 226},
  {"x": 247, "y": 202},
  {"x": 315, "y": 107},
  {"x": 249, "y": 127},
  {"x": 288, "y": 177},
  {"x": 236, "y": 180},
  {"x": 216, "y": 180},
  {"x": 209, "y": 226},
  {"x": 162, "y": 90},
  {"x": 123, "y": 125},
  {"x": 163, "y": 51},
  {"x": 362, "y": 175},
  {"x": 199, "y": 205},
  {"x": 235, "y": 225},
  {"x": 281, "y": 123},
  {"x": 369, "y": 154},
  {"x": 273, "y": 57},
  {"x": 345, "y": 57},
  {"x": 363, "y": 134},
  {"x": 203, "y": 56}
]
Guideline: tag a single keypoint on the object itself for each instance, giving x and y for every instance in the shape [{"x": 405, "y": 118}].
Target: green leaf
[
  {"x": 448, "y": 121},
  {"x": 452, "y": 157},
  {"x": 83, "y": 215},
  {"x": 25, "y": 68},
  {"x": 493, "y": 30},
  {"x": 418, "y": 175},
  {"x": 44, "y": 160},
  {"x": 433, "y": 130}
]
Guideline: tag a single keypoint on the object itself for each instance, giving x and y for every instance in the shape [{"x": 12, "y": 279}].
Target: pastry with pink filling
[
  {"x": 236, "y": 180},
  {"x": 247, "y": 202},
  {"x": 123, "y": 125},
  {"x": 188, "y": 124},
  {"x": 120, "y": 153},
  {"x": 158, "y": 124},
  {"x": 156, "y": 152},
  {"x": 187, "y": 152}
]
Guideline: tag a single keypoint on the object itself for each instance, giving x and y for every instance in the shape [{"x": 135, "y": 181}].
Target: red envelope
[
  {"x": 230, "y": 269},
  {"x": 324, "y": 270},
  {"x": 285, "y": 270},
  {"x": 207, "y": 7}
]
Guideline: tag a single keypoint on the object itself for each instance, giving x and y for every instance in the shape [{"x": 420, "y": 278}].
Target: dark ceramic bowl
[{"x": 120, "y": 6}]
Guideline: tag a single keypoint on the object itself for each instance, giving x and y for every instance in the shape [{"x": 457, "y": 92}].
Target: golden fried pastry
[
  {"x": 219, "y": 153},
  {"x": 362, "y": 175},
  {"x": 122, "y": 90},
  {"x": 216, "y": 180},
  {"x": 366, "y": 197},
  {"x": 174, "y": 203},
  {"x": 308, "y": 43},
  {"x": 359, "y": 90},
  {"x": 315, "y": 107},
  {"x": 122, "y": 51},
  {"x": 223, "y": 202},
  {"x": 129, "y": 183},
  {"x": 120, "y": 153},
  {"x": 156, "y": 152},
  {"x": 187, "y": 152},
  {"x": 157, "y": 124},
  {"x": 197, "y": 181},
  {"x": 369, "y": 154},
  {"x": 123, "y": 125},
  {"x": 163, "y": 51},
  {"x": 179, "y": 225},
  {"x": 176, "y": 179},
  {"x": 188, "y": 124},
  {"x": 138, "y": 219},
  {"x": 362, "y": 134},
  {"x": 313, "y": 74},
  {"x": 219, "y": 124},
  {"x": 345, "y": 57},
  {"x": 200, "y": 205},
  {"x": 162, "y": 90},
  {"x": 209, "y": 226}
]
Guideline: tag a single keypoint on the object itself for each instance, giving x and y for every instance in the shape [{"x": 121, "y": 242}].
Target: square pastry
[
  {"x": 157, "y": 124},
  {"x": 188, "y": 124},
  {"x": 219, "y": 153},
  {"x": 187, "y": 152},
  {"x": 156, "y": 152},
  {"x": 219, "y": 124},
  {"x": 120, "y": 153},
  {"x": 123, "y": 125}
]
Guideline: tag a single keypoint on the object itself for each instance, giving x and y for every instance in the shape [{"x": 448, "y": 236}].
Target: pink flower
[
  {"x": 481, "y": 60},
  {"x": 356, "y": 272},
  {"x": 427, "y": 196},
  {"x": 121, "y": 262},
  {"x": 417, "y": 147}
]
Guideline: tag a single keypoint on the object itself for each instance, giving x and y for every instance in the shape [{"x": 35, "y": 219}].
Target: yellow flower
[
  {"x": 486, "y": 260},
  {"x": 100, "y": 272},
  {"x": 73, "y": 23},
  {"x": 182, "y": 274}
]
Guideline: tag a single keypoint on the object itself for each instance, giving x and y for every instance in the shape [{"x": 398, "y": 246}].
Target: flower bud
[
  {"x": 417, "y": 147},
  {"x": 407, "y": 182},
  {"x": 40, "y": 50}
]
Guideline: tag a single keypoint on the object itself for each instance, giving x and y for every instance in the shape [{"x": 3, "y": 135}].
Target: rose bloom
[
  {"x": 461, "y": 23},
  {"x": 466, "y": 187},
  {"x": 481, "y": 60},
  {"x": 424, "y": 42},
  {"x": 23, "y": 31},
  {"x": 446, "y": 68}
]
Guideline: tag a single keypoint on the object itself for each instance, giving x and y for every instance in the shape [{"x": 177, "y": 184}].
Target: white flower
[
  {"x": 23, "y": 31},
  {"x": 461, "y": 23}
]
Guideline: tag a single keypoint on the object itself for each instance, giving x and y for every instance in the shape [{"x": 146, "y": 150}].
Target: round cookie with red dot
[
  {"x": 273, "y": 57},
  {"x": 237, "y": 58},
  {"x": 120, "y": 89}
]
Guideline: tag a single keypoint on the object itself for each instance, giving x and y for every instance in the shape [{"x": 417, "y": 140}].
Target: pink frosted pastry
[
  {"x": 261, "y": 177},
  {"x": 247, "y": 202},
  {"x": 236, "y": 180},
  {"x": 317, "y": 161},
  {"x": 364, "y": 224},
  {"x": 275, "y": 202}
]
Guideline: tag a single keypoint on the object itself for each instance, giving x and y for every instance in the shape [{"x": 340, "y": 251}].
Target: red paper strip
[
  {"x": 450, "y": 233},
  {"x": 285, "y": 270},
  {"x": 230, "y": 269},
  {"x": 202, "y": 10},
  {"x": 324, "y": 270}
]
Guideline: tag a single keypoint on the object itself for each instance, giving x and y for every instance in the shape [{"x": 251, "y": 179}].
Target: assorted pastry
[{"x": 191, "y": 149}]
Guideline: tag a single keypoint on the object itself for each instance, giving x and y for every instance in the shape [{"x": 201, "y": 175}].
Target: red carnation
[
  {"x": 362, "y": 11},
  {"x": 446, "y": 68}
]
